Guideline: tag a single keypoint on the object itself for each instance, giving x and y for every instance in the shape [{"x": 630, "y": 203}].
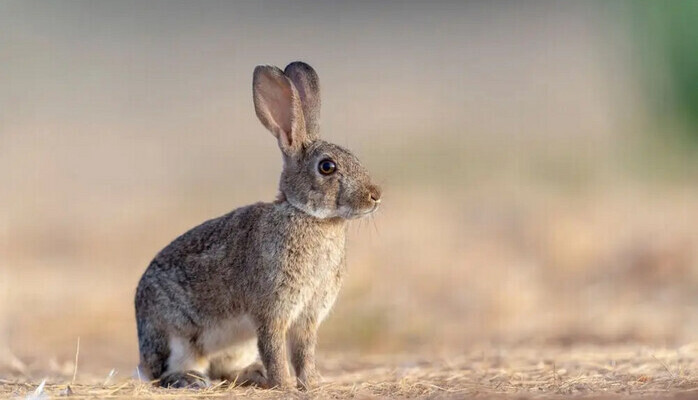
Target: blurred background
[{"x": 539, "y": 161}]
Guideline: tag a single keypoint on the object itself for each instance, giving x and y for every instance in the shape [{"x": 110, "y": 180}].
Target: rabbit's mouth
[
  {"x": 356, "y": 214},
  {"x": 373, "y": 209},
  {"x": 358, "y": 206}
]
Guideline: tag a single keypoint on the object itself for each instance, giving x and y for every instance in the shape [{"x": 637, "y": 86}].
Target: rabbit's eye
[{"x": 326, "y": 167}]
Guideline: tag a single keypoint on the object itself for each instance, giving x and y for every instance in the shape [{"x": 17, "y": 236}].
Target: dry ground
[
  {"x": 563, "y": 287},
  {"x": 517, "y": 372}
]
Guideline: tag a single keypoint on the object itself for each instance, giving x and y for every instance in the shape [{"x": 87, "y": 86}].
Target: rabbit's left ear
[
  {"x": 305, "y": 79},
  {"x": 278, "y": 107}
]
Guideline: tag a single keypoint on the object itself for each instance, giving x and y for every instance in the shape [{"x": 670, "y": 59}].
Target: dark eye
[{"x": 326, "y": 167}]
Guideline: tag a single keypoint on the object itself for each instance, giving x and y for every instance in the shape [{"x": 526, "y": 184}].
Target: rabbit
[{"x": 256, "y": 283}]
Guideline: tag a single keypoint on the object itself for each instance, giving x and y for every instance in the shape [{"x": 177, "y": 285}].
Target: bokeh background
[{"x": 539, "y": 161}]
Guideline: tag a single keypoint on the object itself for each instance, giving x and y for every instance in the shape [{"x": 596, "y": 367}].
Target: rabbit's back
[{"x": 202, "y": 272}]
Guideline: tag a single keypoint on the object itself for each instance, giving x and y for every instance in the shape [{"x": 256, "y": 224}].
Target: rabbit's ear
[
  {"x": 278, "y": 107},
  {"x": 305, "y": 79}
]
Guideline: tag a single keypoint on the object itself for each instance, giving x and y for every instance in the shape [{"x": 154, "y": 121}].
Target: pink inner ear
[{"x": 278, "y": 100}]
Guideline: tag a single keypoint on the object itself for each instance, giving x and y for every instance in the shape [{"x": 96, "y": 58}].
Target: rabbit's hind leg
[
  {"x": 154, "y": 350},
  {"x": 186, "y": 366},
  {"x": 184, "y": 379},
  {"x": 173, "y": 361},
  {"x": 239, "y": 365}
]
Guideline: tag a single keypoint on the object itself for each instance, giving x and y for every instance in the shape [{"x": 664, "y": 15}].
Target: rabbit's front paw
[
  {"x": 186, "y": 379},
  {"x": 278, "y": 384},
  {"x": 308, "y": 380}
]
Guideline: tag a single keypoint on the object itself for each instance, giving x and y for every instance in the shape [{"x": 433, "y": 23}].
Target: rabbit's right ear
[
  {"x": 278, "y": 107},
  {"x": 305, "y": 79}
]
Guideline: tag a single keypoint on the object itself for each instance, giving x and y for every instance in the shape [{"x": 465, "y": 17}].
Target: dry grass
[
  {"x": 517, "y": 372},
  {"x": 562, "y": 285}
]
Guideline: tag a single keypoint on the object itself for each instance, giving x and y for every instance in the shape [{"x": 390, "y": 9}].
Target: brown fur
[{"x": 261, "y": 278}]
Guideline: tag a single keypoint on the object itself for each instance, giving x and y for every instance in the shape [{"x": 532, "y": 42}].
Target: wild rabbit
[{"x": 262, "y": 277}]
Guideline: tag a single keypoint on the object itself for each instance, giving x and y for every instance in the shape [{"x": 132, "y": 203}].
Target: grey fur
[
  {"x": 264, "y": 276},
  {"x": 307, "y": 82}
]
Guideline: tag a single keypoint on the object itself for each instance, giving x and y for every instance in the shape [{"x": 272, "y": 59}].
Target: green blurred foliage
[{"x": 666, "y": 34}]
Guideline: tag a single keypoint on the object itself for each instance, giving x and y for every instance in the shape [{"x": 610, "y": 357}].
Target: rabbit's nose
[{"x": 375, "y": 194}]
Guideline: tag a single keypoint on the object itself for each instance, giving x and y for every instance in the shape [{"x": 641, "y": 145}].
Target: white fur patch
[
  {"x": 183, "y": 357},
  {"x": 228, "y": 333},
  {"x": 240, "y": 355},
  {"x": 236, "y": 338},
  {"x": 325, "y": 308}
]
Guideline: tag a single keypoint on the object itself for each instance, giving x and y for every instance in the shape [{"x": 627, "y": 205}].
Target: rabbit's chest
[{"x": 316, "y": 278}]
